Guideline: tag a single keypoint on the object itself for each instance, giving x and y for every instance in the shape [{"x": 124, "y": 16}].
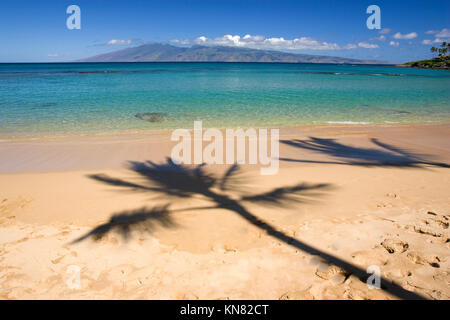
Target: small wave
[
  {"x": 371, "y": 74},
  {"x": 348, "y": 122}
]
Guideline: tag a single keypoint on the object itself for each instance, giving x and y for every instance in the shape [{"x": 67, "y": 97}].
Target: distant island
[
  {"x": 158, "y": 52},
  {"x": 442, "y": 61}
]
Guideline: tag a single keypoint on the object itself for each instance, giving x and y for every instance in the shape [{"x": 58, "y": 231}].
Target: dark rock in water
[
  {"x": 43, "y": 105},
  {"x": 49, "y": 104},
  {"x": 151, "y": 116}
]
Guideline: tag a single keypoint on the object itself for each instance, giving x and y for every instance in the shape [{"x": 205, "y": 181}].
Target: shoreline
[{"x": 28, "y": 137}]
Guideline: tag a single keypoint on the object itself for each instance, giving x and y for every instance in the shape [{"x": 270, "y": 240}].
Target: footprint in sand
[
  {"x": 428, "y": 231},
  {"x": 376, "y": 256},
  {"x": 433, "y": 225},
  {"x": 62, "y": 255},
  {"x": 395, "y": 246},
  {"x": 63, "y": 235},
  {"x": 7, "y": 207},
  {"x": 188, "y": 296},
  {"x": 297, "y": 295},
  {"x": 393, "y": 195},
  {"x": 436, "y": 223},
  {"x": 435, "y": 214},
  {"x": 420, "y": 259},
  {"x": 328, "y": 271},
  {"x": 384, "y": 205},
  {"x": 58, "y": 259}
]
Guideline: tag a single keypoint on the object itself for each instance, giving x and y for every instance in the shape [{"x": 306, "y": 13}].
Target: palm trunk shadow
[{"x": 361, "y": 274}]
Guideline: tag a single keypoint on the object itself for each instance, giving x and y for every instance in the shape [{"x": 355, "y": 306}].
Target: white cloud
[
  {"x": 407, "y": 36},
  {"x": 444, "y": 33},
  {"x": 380, "y": 38},
  {"x": 350, "y": 46},
  {"x": 181, "y": 42},
  {"x": 394, "y": 43},
  {"x": 428, "y": 41},
  {"x": 385, "y": 31},
  {"x": 116, "y": 42},
  {"x": 440, "y": 36},
  {"x": 367, "y": 45},
  {"x": 57, "y": 55},
  {"x": 261, "y": 42}
]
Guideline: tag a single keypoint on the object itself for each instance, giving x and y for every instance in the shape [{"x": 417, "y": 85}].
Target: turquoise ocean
[{"x": 98, "y": 98}]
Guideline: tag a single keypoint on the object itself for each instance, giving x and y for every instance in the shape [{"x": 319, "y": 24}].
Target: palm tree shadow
[
  {"x": 385, "y": 155},
  {"x": 177, "y": 181}
]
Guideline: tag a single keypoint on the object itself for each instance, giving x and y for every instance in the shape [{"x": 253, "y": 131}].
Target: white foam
[{"x": 348, "y": 122}]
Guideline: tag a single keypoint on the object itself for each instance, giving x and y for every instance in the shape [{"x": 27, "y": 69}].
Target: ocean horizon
[{"x": 95, "y": 98}]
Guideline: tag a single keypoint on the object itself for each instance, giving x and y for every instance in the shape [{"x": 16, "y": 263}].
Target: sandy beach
[{"x": 345, "y": 198}]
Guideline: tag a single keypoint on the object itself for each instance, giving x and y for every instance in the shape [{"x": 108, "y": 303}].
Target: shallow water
[{"x": 106, "y": 97}]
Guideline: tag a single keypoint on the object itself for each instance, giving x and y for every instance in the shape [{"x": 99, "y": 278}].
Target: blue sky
[{"x": 35, "y": 30}]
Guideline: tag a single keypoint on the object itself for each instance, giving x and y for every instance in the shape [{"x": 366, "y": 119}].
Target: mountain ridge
[{"x": 159, "y": 52}]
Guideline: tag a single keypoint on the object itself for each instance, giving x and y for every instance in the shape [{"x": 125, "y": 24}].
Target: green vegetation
[
  {"x": 441, "y": 61},
  {"x": 442, "y": 51}
]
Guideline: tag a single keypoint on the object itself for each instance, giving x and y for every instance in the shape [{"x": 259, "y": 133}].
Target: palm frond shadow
[
  {"x": 385, "y": 155},
  {"x": 124, "y": 223},
  {"x": 173, "y": 180}
]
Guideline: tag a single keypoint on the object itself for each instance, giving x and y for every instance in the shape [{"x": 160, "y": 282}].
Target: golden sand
[{"x": 345, "y": 198}]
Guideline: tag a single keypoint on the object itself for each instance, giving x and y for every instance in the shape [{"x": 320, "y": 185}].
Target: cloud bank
[
  {"x": 261, "y": 42},
  {"x": 116, "y": 42},
  {"x": 444, "y": 33},
  {"x": 367, "y": 45},
  {"x": 440, "y": 36}
]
